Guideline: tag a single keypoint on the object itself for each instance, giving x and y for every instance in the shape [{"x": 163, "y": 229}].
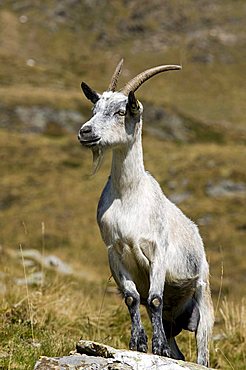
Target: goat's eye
[{"x": 121, "y": 112}]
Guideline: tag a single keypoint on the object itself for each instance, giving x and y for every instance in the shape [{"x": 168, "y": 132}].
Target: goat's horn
[
  {"x": 137, "y": 81},
  {"x": 114, "y": 79}
]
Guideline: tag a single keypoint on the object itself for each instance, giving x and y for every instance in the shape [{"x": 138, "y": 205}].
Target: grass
[
  {"x": 65, "y": 52},
  {"x": 37, "y": 183},
  {"x": 64, "y": 310},
  {"x": 48, "y": 202}
]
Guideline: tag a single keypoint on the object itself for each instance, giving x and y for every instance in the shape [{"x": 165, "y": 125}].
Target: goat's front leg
[
  {"x": 138, "y": 341},
  {"x": 160, "y": 344}
]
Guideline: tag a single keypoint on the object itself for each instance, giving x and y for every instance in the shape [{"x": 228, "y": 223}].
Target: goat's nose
[{"x": 85, "y": 130}]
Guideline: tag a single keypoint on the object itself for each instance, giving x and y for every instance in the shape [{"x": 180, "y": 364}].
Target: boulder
[{"x": 91, "y": 355}]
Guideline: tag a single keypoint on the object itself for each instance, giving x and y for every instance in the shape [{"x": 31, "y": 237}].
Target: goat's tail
[{"x": 206, "y": 322}]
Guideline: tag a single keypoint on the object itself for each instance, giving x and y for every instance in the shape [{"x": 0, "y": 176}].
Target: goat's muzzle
[{"x": 87, "y": 138}]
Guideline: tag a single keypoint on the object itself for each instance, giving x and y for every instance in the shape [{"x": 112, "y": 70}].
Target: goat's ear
[
  {"x": 133, "y": 103},
  {"x": 91, "y": 94}
]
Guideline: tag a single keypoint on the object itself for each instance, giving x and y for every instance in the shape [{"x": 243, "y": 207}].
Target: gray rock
[
  {"x": 51, "y": 261},
  {"x": 39, "y": 118},
  {"x": 36, "y": 278},
  {"x": 225, "y": 188},
  {"x": 96, "y": 356},
  {"x": 164, "y": 123},
  {"x": 205, "y": 220},
  {"x": 178, "y": 198},
  {"x": 56, "y": 263},
  {"x": 79, "y": 362},
  {"x": 3, "y": 288}
]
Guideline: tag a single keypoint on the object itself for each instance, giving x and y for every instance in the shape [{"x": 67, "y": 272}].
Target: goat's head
[{"x": 116, "y": 116}]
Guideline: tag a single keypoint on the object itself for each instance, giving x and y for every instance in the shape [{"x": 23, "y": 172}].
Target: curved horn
[
  {"x": 137, "y": 81},
  {"x": 114, "y": 79}
]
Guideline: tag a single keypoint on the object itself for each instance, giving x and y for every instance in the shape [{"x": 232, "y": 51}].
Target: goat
[{"x": 155, "y": 252}]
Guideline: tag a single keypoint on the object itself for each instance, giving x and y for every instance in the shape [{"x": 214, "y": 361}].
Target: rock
[
  {"x": 164, "y": 123},
  {"x": 170, "y": 124},
  {"x": 36, "y": 278},
  {"x": 79, "y": 362},
  {"x": 95, "y": 356},
  {"x": 39, "y": 119},
  {"x": 33, "y": 258},
  {"x": 50, "y": 262},
  {"x": 178, "y": 198},
  {"x": 56, "y": 263},
  {"x": 205, "y": 220},
  {"x": 3, "y": 288},
  {"x": 225, "y": 188}
]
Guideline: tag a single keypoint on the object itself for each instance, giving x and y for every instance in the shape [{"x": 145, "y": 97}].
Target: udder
[{"x": 176, "y": 296}]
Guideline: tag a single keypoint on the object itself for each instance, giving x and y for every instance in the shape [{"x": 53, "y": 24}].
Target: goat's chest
[
  {"x": 125, "y": 228},
  {"x": 124, "y": 219}
]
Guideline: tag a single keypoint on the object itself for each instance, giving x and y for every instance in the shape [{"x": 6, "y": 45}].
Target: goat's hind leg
[
  {"x": 204, "y": 328},
  {"x": 188, "y": 320},
  {"x": 138, "y": 341}
]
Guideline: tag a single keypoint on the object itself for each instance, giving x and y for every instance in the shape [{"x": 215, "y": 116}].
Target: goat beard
[{"x": 97, "y": 159}]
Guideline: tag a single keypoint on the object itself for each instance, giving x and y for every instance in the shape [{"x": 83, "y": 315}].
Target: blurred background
[{"x": 55, "y": 284}]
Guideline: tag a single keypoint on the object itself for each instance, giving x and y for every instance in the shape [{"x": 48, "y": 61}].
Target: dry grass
[
  {"x": 65, "y": 52},
  {"x": 46, "y": 181},
  {"x": 28, "y": 95},
  {"x": 229, "y": 350},
  {"x": 47, "y": 200},
  {"x": 64, "y": 310},
  {"x": 49, "y": 203},
  {"x": 234, "y": 317}
]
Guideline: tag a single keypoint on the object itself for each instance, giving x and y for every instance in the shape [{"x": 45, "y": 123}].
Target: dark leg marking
[
  {"x": 138, "y": 341},
  {"x": 160, "y": 345}
]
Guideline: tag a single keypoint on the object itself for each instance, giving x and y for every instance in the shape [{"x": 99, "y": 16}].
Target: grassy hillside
[
  {"x": 48, "y": 202},
  {"x": 48, "y": 47},
  {"x": 47, "y": 180},
  {"x": 48, "y": 199}
]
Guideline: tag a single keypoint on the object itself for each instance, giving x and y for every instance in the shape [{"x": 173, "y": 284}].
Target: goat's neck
[{"x": 127, "y": 167}]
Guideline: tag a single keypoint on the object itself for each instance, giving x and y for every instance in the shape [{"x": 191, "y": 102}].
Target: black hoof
[
  {"x": 166, "y": 352},
  {"x": 160, "y": 348},
  {"x": 139, "y": 342}
]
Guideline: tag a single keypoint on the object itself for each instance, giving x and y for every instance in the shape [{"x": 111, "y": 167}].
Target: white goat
[{"x": 155, "y": 252}]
